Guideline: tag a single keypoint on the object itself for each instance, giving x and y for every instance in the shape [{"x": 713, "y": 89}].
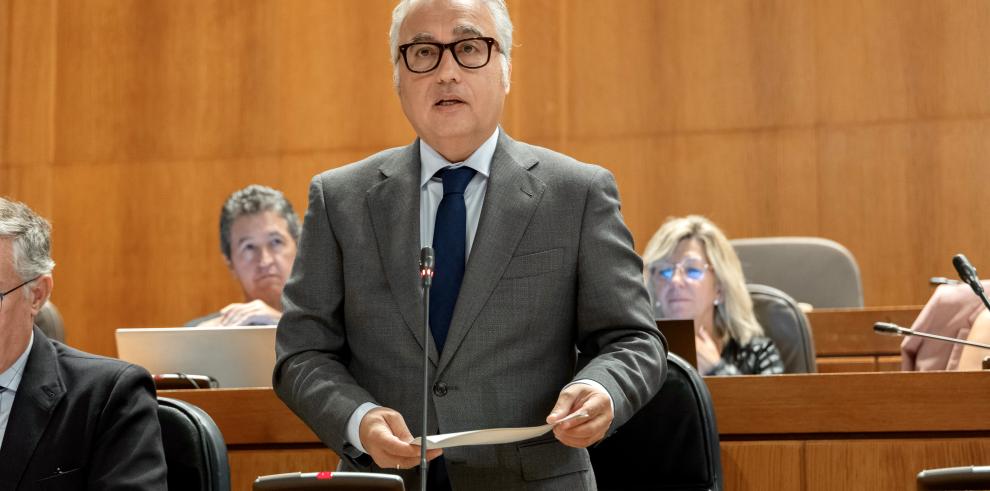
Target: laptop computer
[
  {"x": 680, "y": 338},
  {"x": 235, "y": 356}
]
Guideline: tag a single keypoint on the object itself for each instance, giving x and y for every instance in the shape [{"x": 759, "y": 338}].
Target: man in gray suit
[{"x": 533, "y": 264}]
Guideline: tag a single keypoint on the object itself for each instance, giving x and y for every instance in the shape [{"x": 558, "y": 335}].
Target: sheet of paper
[{"x": 492, "y": 436}]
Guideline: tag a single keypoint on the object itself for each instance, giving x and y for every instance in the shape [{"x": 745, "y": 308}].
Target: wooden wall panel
[
  {"x": 839, "y": 464},
  {"x": 165, "y": 80},
  {"x": 335, "y": 77},
  {"x": 849, "y": 464},
  {"x": 27, "y": 103},
  {"x": 884, "y": 60},
  {"x": 5, "y": 76},
  {"x": 671, "y": 176},
  {"x": 27, "y": 82},
  {"x": 128, "y": 121},
  {"x": 763, "y": 465},
  {"x": 647, "y": 67},
  {"x": 538, "y": 107},
  {"x": 31, "y": 184}
]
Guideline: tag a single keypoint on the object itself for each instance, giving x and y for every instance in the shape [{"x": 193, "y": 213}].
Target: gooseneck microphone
[
  {"x": 895, "y": 330},
  {"x": 941, "y": 280},
  {"x": 967, "y": 273},
  {"x": 426, "y": 261}
]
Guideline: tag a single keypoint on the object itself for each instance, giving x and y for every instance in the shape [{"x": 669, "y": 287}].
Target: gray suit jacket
[{"x": 552, "y": 269}]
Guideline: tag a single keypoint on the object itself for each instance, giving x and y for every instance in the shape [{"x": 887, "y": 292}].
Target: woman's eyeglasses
[{"x": 691, "y": 270}]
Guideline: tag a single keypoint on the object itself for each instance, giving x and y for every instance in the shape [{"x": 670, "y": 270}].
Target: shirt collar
[
  {"x": 480, "y": 160},
  {"x": 11, "y": 378}
]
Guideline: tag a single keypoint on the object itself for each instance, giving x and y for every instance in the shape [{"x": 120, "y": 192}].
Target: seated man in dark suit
[
  {"x": 258, "y": 234},
  {"x": 68, "y": 419}
]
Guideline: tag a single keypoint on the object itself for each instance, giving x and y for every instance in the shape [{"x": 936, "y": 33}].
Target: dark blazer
[
  {"x": 552, "y": 269},
  {"x": 81, "y": 421}
]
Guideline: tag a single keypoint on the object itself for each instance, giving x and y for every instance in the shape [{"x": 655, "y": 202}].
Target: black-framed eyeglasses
[
  {"x": 422, "y": 57},
  {"x": 4, "y": 294}
]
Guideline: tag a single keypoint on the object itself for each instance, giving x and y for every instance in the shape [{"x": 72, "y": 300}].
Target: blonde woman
[{"x": 693, "y": 273}]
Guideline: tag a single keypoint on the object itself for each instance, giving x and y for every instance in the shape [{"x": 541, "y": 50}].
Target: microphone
[
  {"x": 967, "y": 273},
  {"x": 941, "y": 280},
  {"x": 889, "y": 329},
  {"x": 892, "y": 329},
  {"x": 426, "y": 261}
]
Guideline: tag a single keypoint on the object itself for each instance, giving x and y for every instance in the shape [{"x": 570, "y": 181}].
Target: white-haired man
[
  {"x": 533, "y": 262},
  {"x": 68, "y": 420}
]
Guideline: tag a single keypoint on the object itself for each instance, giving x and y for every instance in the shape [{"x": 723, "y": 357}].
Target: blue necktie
[{"x": 449, "y": 233}]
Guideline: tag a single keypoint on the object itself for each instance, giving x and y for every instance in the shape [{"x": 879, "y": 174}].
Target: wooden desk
[
  {"x": 803, "y": 432},
  {"x": 849, "y": 431},
  {"x": 845, "y": 341}
]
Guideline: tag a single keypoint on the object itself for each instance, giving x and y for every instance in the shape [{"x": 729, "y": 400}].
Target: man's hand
[
  {"x": 386, "y": 438},
  {"x": 581, "y": 432},
  {"x": 253, "y": 312}
]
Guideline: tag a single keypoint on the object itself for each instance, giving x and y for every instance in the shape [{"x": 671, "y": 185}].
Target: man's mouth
[{"x": 449, "y": 102}]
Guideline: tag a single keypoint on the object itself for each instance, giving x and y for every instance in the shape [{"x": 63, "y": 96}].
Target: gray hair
[
  {"x": 252, "y": 200},
  {"x": 734, "y": 315},
  {"x": 503, "y": 33},
  {"x": 31, "y": 238}
]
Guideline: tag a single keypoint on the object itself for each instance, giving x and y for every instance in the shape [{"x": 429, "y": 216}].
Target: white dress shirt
[{"x": 10, "y": 380}]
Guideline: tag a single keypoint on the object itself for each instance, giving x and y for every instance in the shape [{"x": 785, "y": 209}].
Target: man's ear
[{"x": 40, "y": 290}]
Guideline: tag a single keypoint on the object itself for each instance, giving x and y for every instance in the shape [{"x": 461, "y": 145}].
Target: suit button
[{"x": 440, "y": 389}]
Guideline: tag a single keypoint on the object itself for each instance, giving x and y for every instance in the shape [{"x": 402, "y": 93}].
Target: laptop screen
[{"x": 234, "y": 356}]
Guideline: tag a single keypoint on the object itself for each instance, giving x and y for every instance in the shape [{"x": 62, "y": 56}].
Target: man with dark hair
[
  {"x": 68, "y": 419},
  {"x": 258, "y": 235}
]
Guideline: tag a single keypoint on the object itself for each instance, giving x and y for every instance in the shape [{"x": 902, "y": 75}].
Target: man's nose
[
  {"x": 449, "y": 70},
  {"x": 266, "y": 258}
]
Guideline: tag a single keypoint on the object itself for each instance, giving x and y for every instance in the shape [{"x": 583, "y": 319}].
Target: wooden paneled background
[{"x": 127, "y": 122}]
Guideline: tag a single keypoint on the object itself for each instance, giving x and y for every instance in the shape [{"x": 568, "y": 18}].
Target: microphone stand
[
  {"x": 426, "y": 277},
  {"x": 983, "y": 296},
  {"x": 895, "y": 330}
]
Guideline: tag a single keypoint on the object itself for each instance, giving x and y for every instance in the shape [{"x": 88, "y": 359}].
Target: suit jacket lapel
[
  {"x": 512, "y": 196},
  {"x": 394, "y": 207},
  {"x": 37, "y": 396}
]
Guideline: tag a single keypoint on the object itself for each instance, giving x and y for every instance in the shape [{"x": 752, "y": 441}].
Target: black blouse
[{"x": 758, "y": 357}]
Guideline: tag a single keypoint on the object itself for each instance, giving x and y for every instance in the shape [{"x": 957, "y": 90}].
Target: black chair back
[
  {"x": 786, "y": 325},
  {"x": 195, "y": 452},
  {"x": 671, "y": 443}
]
